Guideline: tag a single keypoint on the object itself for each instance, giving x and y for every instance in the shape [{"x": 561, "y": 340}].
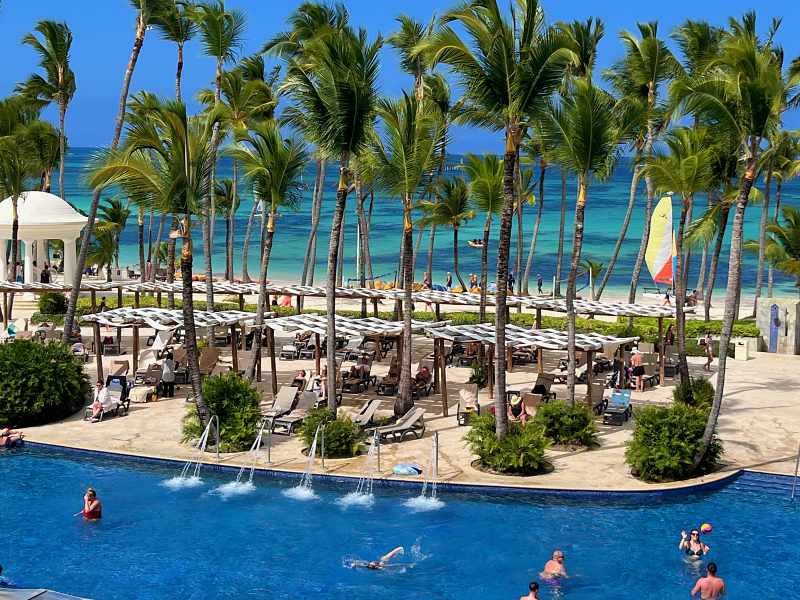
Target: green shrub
[
  {"x": 521, "y": 452},
  {"x": 698, "y": 393},
  {"x": 39, "y": 383},
  {"x": 665, "y": 441},
  {"x": 52, "y": 303},
  {"x": 236, "y": 402},
  {"x": 565, "y": 424},
  {"x": 38, "y": 317},
  {"x": 342, "y": 436},
  {"x": 478, "y": 374}
]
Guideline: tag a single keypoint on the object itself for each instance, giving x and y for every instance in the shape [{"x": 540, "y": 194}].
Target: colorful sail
[{"x": 660, "y": 254}]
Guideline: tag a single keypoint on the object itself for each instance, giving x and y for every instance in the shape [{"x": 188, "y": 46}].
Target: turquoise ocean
[{"x": 606, "y": 205}]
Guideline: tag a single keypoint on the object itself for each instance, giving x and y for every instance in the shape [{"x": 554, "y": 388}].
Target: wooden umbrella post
[
  {"x": 136, "y": 299},
  {"x": 436, "y": 357},
  {"x": 241, "y": 302},
  {"x": 538, "y": 318},
  {"x": 234, "y": 350},
  {"x": 98, "y": 350},
  {"x": 271, "y": 350},
  {"x": 119, "y": 296}
]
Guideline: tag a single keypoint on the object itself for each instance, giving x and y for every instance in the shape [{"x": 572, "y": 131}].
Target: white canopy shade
[{"x": 42, "y": 216}]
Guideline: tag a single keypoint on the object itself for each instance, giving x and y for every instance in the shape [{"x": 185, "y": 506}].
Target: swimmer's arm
[
  {"x": 696, "y": 589},
  {"x": 389, "y": 555}
]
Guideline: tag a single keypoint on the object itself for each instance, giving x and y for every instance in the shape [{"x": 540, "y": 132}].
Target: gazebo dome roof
[{"x": 41, "y": 216}]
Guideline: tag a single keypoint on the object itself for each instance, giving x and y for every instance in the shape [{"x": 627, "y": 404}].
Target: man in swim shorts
[
  {"x": 709, "y": 587},
  {"x": 555, "y": 566},
  {"x": 533, "y": 592}
]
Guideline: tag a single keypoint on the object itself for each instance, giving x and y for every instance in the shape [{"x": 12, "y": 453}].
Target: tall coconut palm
[
  {"x": 787, "y": 167},
  {"x": 486, "y": 189},
  {"x": 508, "y": 68},
  {"x": 221, "y": 32},
  {"x": 647, "y": 64},
  {"x": 413, "y": 59},
  {"x": 336, "y": 102},
  {"x": 583, "y": 133},
  {"x": 273, "y": 166},
  {"x": 405, "y": 154},
  {"x": 227, "y": 202},
  {"x": 173, "y": 20},
  {"x": 42, "y": 140},
  {"x": 114, "y": 214},
  {"x": 745, "y": 93},
  {"x": 782, "y": 249},
  {"x": 144, "y": 11},
  {"x": 451, "y": 209},
  {"x": 167, "y": 159},
  {"x": 58, "y": 83},
  {"x": 102, "y": 251},
  {"x": 686, "y": 170}
]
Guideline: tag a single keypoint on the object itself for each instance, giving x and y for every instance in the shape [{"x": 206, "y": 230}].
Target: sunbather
[
  {"x": 423, "y": 376},
  {"x": 101, "y": 400},
  {"x": 10, "y": 437},
  {"x": 517, "y": 410}
]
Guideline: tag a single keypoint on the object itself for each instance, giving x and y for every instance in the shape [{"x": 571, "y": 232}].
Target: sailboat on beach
[{"x": 660, "y": 253}]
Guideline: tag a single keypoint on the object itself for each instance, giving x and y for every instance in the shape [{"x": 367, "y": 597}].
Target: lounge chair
[
  {"x": 560, "y": 375},
  {"x": 411, "y": 423},
  {"x": 119, "y": 367},
  {"x": 361, "y": 383},
  {"x": 598, "y": 401},
  {"x": 523, "y": 356},
  {"x": 423, "y": 387},
  {"x": 309, "y": 351},
  {"x": 544, "y": 381},
  {"x": 147, "y": 358},
  {"x": 295, "y": 417},
  {"x": 467, "y": 403},
  {"x": 79, "y": 350},
  {"x": 532, "y": 402},
  {"x": 388, "y": 385},
  {"x": 118, "y": 402},
  {"x": 283, "y": 403},
  {"x": 367, "y": 412},
  {"x": 289, "y": 352},
  {"x": 619, "y": 408}
]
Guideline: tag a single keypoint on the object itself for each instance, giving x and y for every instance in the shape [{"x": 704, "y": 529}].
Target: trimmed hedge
[
  {"x": 39, "y": 383},
  {"x": 521, "y": 452},
  {"x": 698, "y": 393},
  {"x": 343, "y": 437},
  {"x": 567, "y": 425}
]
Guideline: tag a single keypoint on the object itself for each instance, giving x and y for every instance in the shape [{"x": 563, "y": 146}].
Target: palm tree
[
  {"x": 58, "y": 84},
  {"x": 114, "y": 214},
  {"x": 273, "y": 166},
  {"x": 221, "y": 32},
  {"x": 686, "y": 170},
  {"x": 508, "y": 69},
  {"x": 413, "y": 60},
  {"x": 42, "y": 140},
  {"x": 336, "y": 102},
  {"x": 745, "y": 94},
  {"x": 592, "y": 268},
  {"x": 145, "y": 9},
  {"x": 452, "y": 209},
  {"x": 787, "y": 166},
  {"x": 583, "y": 134},
  {"x": 175, "y": 23},
  {"x": 228, "y": 203},
  {"x": 103, "y": 249},
  {"x": 486, "y": 188},
  {"x": 167, "y": 159},
  {"x": 782, "y": 249},
  {"x": 646, "y": 65},
  {"x": 405, "y": 154}
]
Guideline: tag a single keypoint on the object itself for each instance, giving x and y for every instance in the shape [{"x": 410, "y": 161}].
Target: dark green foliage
[
  {"x": 39, "y": 383},
  {"x": 236, "y": 402},
  {"x": 521, "y": 452},
  {"x": 665, "y": 441},
  {"x": 478, "y": 374},
  {"x": 52, "y": 303},
  {"x": 567, "y": 425},
  {"x": 342, "y": 436},
  {"x": 698, "y": 393}
]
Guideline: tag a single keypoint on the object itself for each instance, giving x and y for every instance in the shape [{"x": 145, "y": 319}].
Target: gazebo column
[
  {"x": 70, "y": 260},
  {"x": 28, "y": 261},
  {"x": 41, "y": 253}
]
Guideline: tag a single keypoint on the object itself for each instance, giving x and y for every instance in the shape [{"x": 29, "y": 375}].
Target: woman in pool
[
  {"x": 692, "y": 545},
  {"x": 381, "y": 563},
  {"x": 92, "y": 508}
]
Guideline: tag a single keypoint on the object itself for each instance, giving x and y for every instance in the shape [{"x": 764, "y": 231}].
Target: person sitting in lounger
[
  {"x": 101, "y": 401},
  {"x": 10, "y": 438},
  {"x": 554, "y": 567},
  {"x": 381, "y": 563},
  {"x": 423, "y": 376},
  {"x": 517, "y": 410}
]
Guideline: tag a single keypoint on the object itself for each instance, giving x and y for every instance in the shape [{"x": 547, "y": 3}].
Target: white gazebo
[{"x": 42, "y": 216}]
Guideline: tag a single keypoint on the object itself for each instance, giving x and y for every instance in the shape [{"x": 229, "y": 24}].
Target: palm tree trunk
[
  {"x": 150, "y": 218},
  {"x": 405, "y": 400},
  {"x": 539, "y": 208},
  {"x": 731, "y": 297},
  {"x": 520, "y": 240},
  {"x": 232, "y": 224},
  {"x": 503, "y": 251},
  {"x": 210, "y": 217},
  {"x": 455, "y": 258},
  {"x": 268, "y": 233},
  {"x": 637, "y": 267},
  {"x": 190, "y": 334},
  {"x": 171, "y": 262},
  {"x": 700, "y": 286},
  {"x": 246, "y": 245},
  {"x": 762, "y": 239},
  {"x": 562, "y": 222},
  {"x": 770, "y": 272},
  {"x": 140, "y": 238},
  {"x": 680, "y": 292},
  {"x": 362, "y": 234},
  {"x": 62, "y": 150},
  {"x": 368, "y": 233},
  {"x": 156, "y": 262},
  {"x": 712, "y": 270},
  {"x": 330, "y": 289},
  {"x": 431, "y": 245},
  {"x": 487, "y": 227},
  {"x": 340, "y": 255},
  {"x": 417, "y": 244},
  {"x": 626, "y": 221},
  {"x": 14, "y": 250},
  {"x": 179, "y": 72},
  {"x": 577, "y": 246},
  {"x": 86, "y": 239},
  {"x": 310, "y": 261},
  {"x": 227, "y": 239}
]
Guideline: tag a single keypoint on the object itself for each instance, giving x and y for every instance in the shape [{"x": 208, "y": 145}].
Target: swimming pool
[{"x": 190, "y": 543}]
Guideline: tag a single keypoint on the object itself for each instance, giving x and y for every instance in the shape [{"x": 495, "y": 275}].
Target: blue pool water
[{"x": 156, "y": 543}]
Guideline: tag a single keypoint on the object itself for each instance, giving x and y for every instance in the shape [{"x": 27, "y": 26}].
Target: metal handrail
[
  {"x": 216, "y": 431},
  {"x": 322, "y": 450},
  {"x": 796, "y": 467}
]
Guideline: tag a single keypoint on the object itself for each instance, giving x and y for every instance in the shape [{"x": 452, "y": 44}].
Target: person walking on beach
[
  {"x": 709, "y": 344},
  {"x": 539, "y": 283},
  {"x": 533, "y": 592},
  {"x": 449, "y": 283},
  {"x": 709, "y": 587}
]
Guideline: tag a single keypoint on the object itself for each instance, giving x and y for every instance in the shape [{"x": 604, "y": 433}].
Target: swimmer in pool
[
  {"x": 554, "y": 567},
  {"x": 381, "y": 563},
  {"x": 92, "y": 508},
  {"x": 692, "y": 545}
]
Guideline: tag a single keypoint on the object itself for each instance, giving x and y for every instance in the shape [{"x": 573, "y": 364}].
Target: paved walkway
[{"x": 759, "y": 425}]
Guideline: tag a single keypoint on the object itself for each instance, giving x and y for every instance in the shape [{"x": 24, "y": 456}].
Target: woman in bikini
[{"x": 692, "y": 545}]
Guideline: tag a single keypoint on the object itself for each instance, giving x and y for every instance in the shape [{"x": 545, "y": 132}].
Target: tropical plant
[
  {"x": 166, "y": 161},
  {"x": 273, "y": 166},
  {"x": 787, "y": 166},
  {"x": 583, "y": 134},
  {"x": 343, "y": 437},
  {"x": 42, "y": 142},
  {"x": 40, "y": 383},
  {"x": 174, "y": 22},
  {"x": 508, "y": 70},
  {"x": 52, "y": 303},
  {"x": 665, "y": 442},
  {"x": 782, "y": 247},
  {"x": 103, "y": 249},
  {"x": 336, "y": 102},
  {"x": 697, "y": 392},
  {"x": 520, "y": 452},
  {"x": 414, "y": 60},
  {"x": 592, "y": 269},
  {"x": 114, "y": 214},
  {"x": 567, "y": 425},
  {"x": 58, "y": 83}
]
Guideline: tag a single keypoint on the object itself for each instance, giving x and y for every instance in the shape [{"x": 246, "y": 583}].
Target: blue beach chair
[{"x": 619, "y": 408}]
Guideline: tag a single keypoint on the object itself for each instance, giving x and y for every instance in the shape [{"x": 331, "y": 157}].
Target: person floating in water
[
  {"x": 709, "y": 587},
  {"x": 92, "y": 508},
  {"x": 381, "y": 563},
  {"x": 554, "y": 567},
  {"x": 533, "y": 592},
  {"x": 692, "y": 545}
]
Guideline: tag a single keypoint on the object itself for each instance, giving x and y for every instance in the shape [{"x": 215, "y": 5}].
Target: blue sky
[{"x": 103, "y": 32}]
